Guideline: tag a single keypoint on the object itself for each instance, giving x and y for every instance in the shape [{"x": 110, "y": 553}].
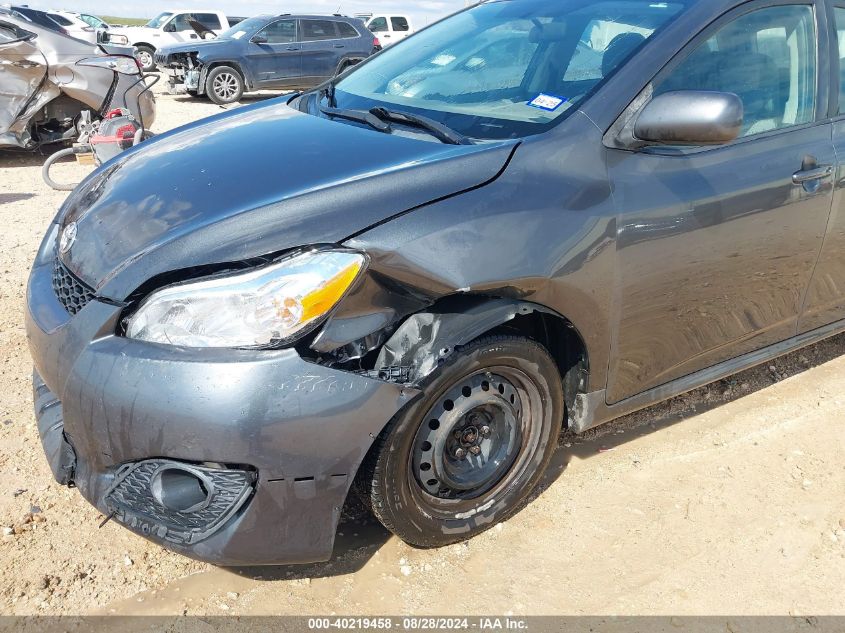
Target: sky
[{"x": 423, "y": 12}]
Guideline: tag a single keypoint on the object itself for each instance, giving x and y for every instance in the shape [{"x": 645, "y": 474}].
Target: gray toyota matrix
[{"x": 530, "y": 215}]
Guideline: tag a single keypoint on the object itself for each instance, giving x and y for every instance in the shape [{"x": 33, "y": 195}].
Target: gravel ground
[{"x": 726, "y": 500}]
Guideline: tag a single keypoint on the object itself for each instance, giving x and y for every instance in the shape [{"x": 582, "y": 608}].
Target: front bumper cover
[{"x": 302, "y": 429}]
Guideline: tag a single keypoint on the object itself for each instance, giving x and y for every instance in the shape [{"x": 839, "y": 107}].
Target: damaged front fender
[{"x": 426, "y": 340}]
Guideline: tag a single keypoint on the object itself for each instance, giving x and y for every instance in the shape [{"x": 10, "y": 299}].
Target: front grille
[
  {"x": 133, "y": 503},
  {"x": 72, "y": 293}
]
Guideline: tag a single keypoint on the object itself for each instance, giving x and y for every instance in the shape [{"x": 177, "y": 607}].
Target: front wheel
[
  {"x": 468, "y": 454},
  {"x": 224, "y": 85},
  {"x": 146, "y": 55}
]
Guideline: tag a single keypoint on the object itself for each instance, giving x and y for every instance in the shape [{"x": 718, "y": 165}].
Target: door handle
[
  {"x": 339, "y": 46},
  {"x": 293, "y": 48},
  {"x": 24, "y": 63},
  {"x": 814, "y": 173}
]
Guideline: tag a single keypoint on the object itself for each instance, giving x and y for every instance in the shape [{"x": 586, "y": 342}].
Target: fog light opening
[{"x": 180, "y": 490}]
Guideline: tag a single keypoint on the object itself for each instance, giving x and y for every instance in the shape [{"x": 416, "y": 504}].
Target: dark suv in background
[{"x": 267, "y": 52}]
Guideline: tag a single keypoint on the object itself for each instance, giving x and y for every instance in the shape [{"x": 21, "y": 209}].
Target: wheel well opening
[
  {"x": 232, "y": 65},
  {"x": 562, "y": 341}
]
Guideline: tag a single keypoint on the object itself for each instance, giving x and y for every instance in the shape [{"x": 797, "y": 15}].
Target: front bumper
[
  {"x": 108, "y": 405},
  {"x": 181, "y": 79}
]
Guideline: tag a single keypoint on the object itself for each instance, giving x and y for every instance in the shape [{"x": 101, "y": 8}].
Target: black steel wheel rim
[{"x": 471, "y": 439}]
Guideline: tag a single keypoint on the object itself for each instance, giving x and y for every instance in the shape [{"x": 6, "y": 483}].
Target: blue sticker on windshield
[{"x": 549, "y": 103}]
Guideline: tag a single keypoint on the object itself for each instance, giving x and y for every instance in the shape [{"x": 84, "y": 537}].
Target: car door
[
  {"x": 274, "y": 55},
  {"x": 400, "y": 28},
  {"x": 22, "y": 70},
  {"x": 380, "y": 27},
  {"x": 179, "y": 29},
  {"x": 321, "y": 49},
  {"x": 825, "y": 303},
  {"x": 716, "y": 245}
]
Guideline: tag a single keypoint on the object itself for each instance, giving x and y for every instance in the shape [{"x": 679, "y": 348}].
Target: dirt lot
[{"x": 728, "y": 500}]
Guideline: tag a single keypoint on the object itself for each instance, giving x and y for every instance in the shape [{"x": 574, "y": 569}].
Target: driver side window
[
  {"x": 180, "y": 23},
  {"x": 281, "y": 32},
  {"x": 767, "y": 58}
]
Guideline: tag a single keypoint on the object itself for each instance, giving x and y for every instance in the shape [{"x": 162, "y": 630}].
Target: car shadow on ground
[
  {"x": 10, "y": 159},
  {"x": 246, "y": 99},
  {"x": 666, "y": 414},
  {"x": 360, "y": 535}
]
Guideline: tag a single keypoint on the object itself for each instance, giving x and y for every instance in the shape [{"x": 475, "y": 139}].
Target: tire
[
  {"x": 146, "y": 55},
  {"x": 224, "y": 85},
  {"x": 500, "y": 401},
  {"x": 342, "y": 68}
]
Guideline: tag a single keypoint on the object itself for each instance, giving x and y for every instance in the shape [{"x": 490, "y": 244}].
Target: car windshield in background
[
  {"x": 59, "y": 19},
  {"x": 507, "y": 69},
  {"x": 160, "y": 19},
  {"x": 94, "y": 21},
  {"x": 245, "y": 27}
]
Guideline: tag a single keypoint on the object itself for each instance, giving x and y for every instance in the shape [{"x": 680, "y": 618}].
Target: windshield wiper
[
  {"x": 359, "y": 116},
  {"x": 438, "y": 130}
]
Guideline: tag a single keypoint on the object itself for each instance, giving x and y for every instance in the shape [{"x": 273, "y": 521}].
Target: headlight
[
  {"x": 118, "y": 63},
  {"x": 260, "y": 308}
]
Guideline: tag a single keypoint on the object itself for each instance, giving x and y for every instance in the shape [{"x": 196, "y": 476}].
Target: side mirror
[
  {"x": 259, "y": 39},
  {"x": 691, "y": 117},
  {"x": 170, "y": 27}
]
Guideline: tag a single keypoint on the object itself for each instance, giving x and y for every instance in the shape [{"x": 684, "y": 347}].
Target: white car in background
[
  {"x": 390, "y": 29},
  {"x": 78, "y": 25},
  {"x": 173, "y": 26}
]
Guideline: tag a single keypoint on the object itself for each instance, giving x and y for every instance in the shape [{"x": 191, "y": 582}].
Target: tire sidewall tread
[
  {"x": 209, "y": 84},
  {"x": 388, "y": 494}
]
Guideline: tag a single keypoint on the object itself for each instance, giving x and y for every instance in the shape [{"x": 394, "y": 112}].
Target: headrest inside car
[{"x": 551, "y": 32}]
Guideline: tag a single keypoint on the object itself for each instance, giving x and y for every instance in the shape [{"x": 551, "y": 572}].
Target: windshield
[
  {"x": 94, "y": 21},
  {"x": 245, "y": 27},
  {"x": 159, "y": 20},
  {"x": 507, "y": 68}
]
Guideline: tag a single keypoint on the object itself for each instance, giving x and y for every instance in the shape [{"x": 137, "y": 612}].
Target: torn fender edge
[{"x": 427, "y": 339}]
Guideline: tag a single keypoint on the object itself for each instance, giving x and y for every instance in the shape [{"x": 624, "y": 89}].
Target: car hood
[{"x": 250, "y": 183}]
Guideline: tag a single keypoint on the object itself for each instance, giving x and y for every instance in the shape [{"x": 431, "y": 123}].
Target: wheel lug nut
[
  {"x": 458, "y": 435},
  {"x": 485, "y": 431},
  {"x": 460, "y": 453},
  {"x": 475, "y": 450}
]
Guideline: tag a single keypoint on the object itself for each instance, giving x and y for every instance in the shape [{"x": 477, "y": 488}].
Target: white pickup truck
[
  {"x": 389, "y": 29},
  {"x": 171, "y": 27}
]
